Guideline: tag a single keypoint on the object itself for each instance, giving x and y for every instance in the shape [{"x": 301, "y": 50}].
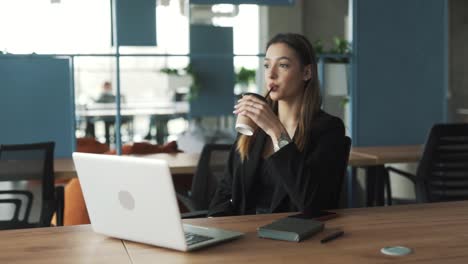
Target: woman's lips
[{"x": 273, "y": 87}]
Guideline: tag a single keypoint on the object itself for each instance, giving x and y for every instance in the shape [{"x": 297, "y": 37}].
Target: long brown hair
[{"x": 311, "y": 100}]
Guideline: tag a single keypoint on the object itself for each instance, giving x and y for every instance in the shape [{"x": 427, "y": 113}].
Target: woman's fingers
[
  {"x": 250, "y": 101},
  {"x": 248, "y": 106},
  {"x": 252, "y": 110},
  {"x": 242, "y": 108}
]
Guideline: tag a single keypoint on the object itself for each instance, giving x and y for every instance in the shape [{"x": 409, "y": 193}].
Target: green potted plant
[
  {"x": 336, "y": 72},
  {"x": 341, "y": 47},
  {"x": 336, "y": 66},
  {"x": 244, "y": 77},
  {"x": 182, "y": 79}
]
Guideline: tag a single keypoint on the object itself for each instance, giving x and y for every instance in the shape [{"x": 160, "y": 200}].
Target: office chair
[
  {"x": 210, "y": 169},
  {"x": 347, "y": 149},
  {"x": 27, "y": 185},
  {"x": 442, "y": 173}
]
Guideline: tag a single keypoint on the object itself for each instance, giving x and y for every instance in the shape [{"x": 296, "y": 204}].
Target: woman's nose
[{"x": 272, "y": 73}]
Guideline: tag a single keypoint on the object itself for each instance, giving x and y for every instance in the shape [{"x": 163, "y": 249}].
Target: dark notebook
[{"x": 290, "y": 229}]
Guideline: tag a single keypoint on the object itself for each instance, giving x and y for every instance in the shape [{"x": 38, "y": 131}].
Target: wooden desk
[
  {"x": 391, "y": 154},
  {"x": 160, "y": 112},
  {"x": 357, "y": 159},
  {"x": 179, "y": 163},
  {"x": 70, "y": 244},
  {"x": 437, "y": 233},
  {"x": 377, "y": 177},
  {"x": 185, "y": 163},
  {"x": 64, "y": 169},
  {"x": 133, "y": 109}
]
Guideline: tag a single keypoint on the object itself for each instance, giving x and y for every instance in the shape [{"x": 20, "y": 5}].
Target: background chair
[
  {"x": 210, "y": 169},
  {"x": 75, "y": 212},
  {"x": 27, "y": 185},
  {"x": 442, "y": 173},
  {"x": 340, "y": 198}
]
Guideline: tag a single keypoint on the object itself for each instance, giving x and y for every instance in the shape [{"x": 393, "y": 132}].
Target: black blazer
[{"x": 305, "y": 180}]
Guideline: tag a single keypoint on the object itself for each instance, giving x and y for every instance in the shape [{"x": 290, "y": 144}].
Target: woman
[{"x": 295, "y": 159}]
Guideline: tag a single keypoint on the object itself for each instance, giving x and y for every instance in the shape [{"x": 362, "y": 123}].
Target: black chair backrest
[
  {"x": 210, "y": 169},
  {"x": 344, "y": 168},
  {"x": 442, "y": 174},
  {"x": 27, "y": 174}
]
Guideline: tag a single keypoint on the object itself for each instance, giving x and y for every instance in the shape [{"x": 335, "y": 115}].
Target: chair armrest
[
  {"x": 195, "y": 214},
  {"x": 186, "y": 201},
  {"x": 17, "y": 203},
  {"x": 59, "y": 194},
  {"x": 407, "y": 175},
  {"x": 29, "y": 200}
]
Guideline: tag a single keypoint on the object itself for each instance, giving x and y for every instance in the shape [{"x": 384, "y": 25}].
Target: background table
[
  {"x": 159, "y": 113},
  {"x": 377, "y": 177},
  {"x": 185, "y": 163},
  {"x": 179, "y": 163},
  {"x": 183, "y": 166},
  {"x": 391, "y": 154}
]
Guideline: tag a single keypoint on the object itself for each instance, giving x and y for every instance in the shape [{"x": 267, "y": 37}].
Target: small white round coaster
[{"x": 396, "y": 251}]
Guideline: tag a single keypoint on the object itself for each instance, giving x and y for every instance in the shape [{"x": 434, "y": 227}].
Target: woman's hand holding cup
[{"x": 253, "y": 111}]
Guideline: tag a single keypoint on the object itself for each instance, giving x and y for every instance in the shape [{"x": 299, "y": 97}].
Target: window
[{"x": 71, "y": 26}]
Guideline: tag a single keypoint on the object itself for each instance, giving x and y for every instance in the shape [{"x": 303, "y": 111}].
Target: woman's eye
[
  {"x": 284, "y": 65},
  {"x": 266, "y": 66}
]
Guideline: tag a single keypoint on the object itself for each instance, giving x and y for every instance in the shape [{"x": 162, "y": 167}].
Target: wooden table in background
[
  {"x": 391, "y": 154},
  {"x": 183, "y": 166},
  {"x": 179, "y": 163},
  {"x": 376, "y": 174},
  {"x": 64, "y": 169},
  {"x": 358, "y": 159},
  {"x": 184, "y": 163},
  {"x": 437, "y": 233}
]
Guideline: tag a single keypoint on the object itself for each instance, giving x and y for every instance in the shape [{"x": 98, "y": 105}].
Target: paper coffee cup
[
  {"x": 245, "y": 125},
  {"x": 244, "y": 128}
]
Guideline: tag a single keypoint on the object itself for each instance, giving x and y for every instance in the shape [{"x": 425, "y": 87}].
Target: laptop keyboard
[{"x": 192, "y": 238}]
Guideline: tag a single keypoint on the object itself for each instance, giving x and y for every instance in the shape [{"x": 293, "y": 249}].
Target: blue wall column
[
  {"x": 211, "y": 51},
  {"x": 36, "y": 102},
  {"x": 136, "y": 22},
  {"x": 399, "y": 69}
]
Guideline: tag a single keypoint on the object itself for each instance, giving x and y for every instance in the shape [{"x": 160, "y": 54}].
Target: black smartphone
[{"x": 316, "y": 215}]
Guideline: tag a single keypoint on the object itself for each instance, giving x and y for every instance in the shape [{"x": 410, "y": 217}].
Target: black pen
[{"x": 332, "y": 237}]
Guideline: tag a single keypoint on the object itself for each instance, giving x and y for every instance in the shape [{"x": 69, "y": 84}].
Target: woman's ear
[{"x": 307, "y": 74}]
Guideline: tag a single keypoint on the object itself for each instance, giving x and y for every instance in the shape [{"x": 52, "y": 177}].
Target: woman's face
[{"x": 284, "y": 74}]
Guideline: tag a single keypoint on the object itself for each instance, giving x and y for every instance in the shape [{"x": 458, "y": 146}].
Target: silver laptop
[{"x": 134, "y": 199}]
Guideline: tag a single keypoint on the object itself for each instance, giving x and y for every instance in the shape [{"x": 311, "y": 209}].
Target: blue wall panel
[
  {"x": 36, "y": 102},
  {"x": 213, "y": 65},
  {"x": 238, "y": 2},
  {"x": 400, "y": 62},
  {"x": 136, "y": 21}
]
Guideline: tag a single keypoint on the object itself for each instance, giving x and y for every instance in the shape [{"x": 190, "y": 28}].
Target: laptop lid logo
[{"x": 126, "y": 200}]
